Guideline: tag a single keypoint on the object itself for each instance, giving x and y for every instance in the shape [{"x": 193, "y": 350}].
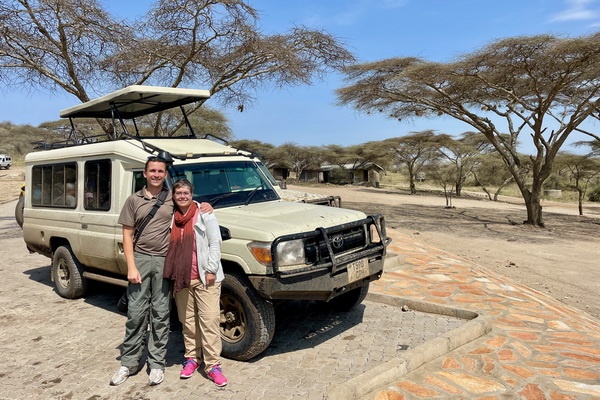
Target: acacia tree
[
  {"x": 490, "y": 170},
  {"x": 57, "y": 45},
  {"x": 540, "y": 86},
  {"x": 446, "y": 174},
  {"x": 337, "y": 155},
  {"x": 203, "y": 121},
  {"x": 355, "y": 156},
  {"x": 299, "y": 157},
  {"x": 463, "y": 153},
  {"x": 78, "y": 47},
  {"x": 364, "y": 154},
  {"x": 414, "y": 151},
  {"x": 581, "y": 169},
  {"x": 265, "y": 151}
]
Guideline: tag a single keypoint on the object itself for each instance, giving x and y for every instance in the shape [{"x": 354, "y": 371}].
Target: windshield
[
  {"x": 268, "y": 174},
  {"x": 227, "y": 184}
]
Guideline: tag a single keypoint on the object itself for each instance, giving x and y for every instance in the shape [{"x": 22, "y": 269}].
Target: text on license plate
[{"x": 358, "y": 270}]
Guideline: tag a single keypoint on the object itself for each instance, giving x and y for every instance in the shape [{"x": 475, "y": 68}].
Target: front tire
[
  {"x": 247, "y": 320},
  {"x": 67, "y": 274}
]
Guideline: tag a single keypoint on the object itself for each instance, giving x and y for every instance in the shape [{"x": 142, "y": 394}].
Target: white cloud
[{"x": 578, "y": 10}]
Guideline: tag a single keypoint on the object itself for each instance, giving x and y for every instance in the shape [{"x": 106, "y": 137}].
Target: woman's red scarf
[{"x": 178, "y": 265}]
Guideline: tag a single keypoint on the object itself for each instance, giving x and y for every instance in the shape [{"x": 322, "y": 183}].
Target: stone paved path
[{"x": 538, "y": 348}]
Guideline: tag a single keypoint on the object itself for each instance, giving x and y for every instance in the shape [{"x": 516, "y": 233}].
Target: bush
[
  {"x": 340, "y": 176},
  {"x": 594, "y": 195}
]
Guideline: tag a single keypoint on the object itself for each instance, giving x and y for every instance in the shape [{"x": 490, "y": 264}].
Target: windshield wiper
[
  {"x": 251, "y": 195},
  {"x": 220, "y": 197}
]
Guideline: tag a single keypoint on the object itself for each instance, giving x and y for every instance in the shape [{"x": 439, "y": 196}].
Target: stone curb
[{"x": 390, "y": 371}]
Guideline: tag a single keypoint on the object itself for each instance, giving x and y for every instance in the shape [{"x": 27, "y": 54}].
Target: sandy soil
[
  {"x": 10, "y": 183},
  {"x": 561, "y": 259}
]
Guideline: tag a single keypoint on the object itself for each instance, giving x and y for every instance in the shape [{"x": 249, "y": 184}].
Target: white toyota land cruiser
[{"x": 273, "y": 250}]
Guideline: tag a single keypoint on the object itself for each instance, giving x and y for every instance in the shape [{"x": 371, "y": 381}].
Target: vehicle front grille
[
  {"x": 346, "y": 241},
  {"x": 334, "y": 247}
]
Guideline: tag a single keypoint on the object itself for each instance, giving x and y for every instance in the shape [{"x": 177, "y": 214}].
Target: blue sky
[{"x": 436, "y": 30}]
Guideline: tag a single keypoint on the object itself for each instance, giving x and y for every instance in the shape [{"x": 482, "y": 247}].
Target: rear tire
[
  {"x": 67, "y": 273},
  {"x": 247, "y": 320},
  {"x": 348, "y": 301},
  {"x": 19, "y": 211}
]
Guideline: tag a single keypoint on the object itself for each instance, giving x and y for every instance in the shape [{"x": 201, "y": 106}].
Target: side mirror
[{"x": 225, "y": 233}]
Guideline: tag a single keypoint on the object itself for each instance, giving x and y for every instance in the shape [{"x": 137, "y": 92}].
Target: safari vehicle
[
  {"x": 273, "y": 250},
  {"x": 5, "y": 161}
]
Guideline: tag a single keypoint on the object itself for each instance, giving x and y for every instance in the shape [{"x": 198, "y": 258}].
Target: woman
[{"x": 194, "y": 264}]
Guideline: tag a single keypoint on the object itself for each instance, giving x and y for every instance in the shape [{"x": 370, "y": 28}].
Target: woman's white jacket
[{"x": 208, "y": 246}]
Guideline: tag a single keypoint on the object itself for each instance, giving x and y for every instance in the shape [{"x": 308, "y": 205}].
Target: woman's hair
[{"x": 183, "y": 183}]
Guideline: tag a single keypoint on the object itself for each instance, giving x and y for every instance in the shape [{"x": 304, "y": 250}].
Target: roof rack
[
  {"x": 125, "y": 104},
  {"x": 128, "y": 104}
]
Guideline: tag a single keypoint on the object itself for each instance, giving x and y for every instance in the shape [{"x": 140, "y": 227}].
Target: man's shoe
[
  {"x": 189, "y": 367},
  {"x": 157, "y": 375},
  {"x": 122, "y": 374},
  {"x": 216, "y": 375}
]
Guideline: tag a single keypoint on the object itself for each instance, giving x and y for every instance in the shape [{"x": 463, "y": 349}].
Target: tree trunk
[
  {"x": 489, "y": 195},
  {"x": 502, "y": 185},
  {"x": 580, "y": 196},
  {"x": 413, "y": 188},
  {"x": 411, "y": 180},
  {"x": 460, "y": 181},
  {"x": 534, "y": 207}
]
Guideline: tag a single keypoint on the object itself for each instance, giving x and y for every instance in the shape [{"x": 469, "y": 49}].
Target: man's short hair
[{"x": 155, "y": 159}]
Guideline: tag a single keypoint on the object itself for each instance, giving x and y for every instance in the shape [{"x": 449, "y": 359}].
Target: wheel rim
[
  {"x": 233, "y": 319},
  {"x": 62, "y": 274}
]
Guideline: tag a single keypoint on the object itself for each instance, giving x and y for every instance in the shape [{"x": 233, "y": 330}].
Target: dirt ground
[
  {"x": 561, "y": 259},
  {"x": 10, "y": 183}
]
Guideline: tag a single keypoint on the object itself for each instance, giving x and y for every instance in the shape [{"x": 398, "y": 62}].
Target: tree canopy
[
  {"x": 543, "y": 87},
  {"x": 78, "y": 47},
  {"x": 414, "y": 151}
]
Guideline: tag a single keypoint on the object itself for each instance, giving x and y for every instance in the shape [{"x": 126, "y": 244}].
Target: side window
[
  {"x": 97, "y": 193},
  {"x": 138, "y": 181},
  {"x": 54, "y": 185}
]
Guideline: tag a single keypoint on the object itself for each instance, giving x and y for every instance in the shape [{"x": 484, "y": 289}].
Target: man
[{"x": 148, "y": 293}]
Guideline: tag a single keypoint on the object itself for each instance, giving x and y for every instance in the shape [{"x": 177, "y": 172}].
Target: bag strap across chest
[{"x": 159, "y": 202}]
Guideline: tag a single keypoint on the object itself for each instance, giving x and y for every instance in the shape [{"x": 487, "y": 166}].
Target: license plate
[{"x": 358, "y": 270}]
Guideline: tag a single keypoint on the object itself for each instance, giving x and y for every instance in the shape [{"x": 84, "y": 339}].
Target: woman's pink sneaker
[
  {"x": 189, "y": 367},
  {"x": 216, "y": 375}
]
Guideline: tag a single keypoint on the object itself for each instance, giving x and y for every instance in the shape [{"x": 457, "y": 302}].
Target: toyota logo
[{"x": 337, "y": 241}]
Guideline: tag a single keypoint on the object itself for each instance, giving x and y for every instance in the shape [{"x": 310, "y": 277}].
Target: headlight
[{"x": 290, "y": 253}]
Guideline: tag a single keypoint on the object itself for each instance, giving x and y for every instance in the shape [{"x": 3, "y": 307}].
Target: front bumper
[{"x": 314, "y": 285}]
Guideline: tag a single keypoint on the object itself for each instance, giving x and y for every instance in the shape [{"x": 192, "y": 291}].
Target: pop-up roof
[{"x": 135, "y": 101}]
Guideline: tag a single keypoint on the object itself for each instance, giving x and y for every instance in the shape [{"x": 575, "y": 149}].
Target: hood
[{"x": 267, "y": 221}]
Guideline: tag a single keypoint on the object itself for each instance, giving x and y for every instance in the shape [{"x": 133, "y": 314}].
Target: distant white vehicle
[
  {"x": 5, "y": 161},
  {"x": 273, "y": 250}
]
